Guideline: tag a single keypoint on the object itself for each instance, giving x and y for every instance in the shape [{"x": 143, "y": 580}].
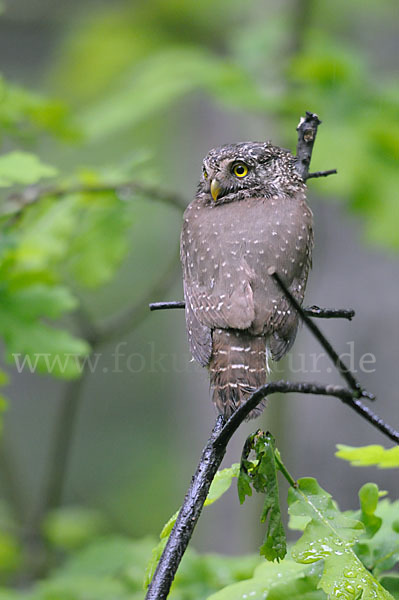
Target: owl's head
[{"x": 248, "y": 169}]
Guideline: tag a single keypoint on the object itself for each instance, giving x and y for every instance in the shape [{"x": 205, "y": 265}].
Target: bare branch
[
  {"x": 311, "y": 311},
  {"x": 211, "y": 459},
  {"x": 17, "y": 202},
  {"x": 338, "y": 362},
  {"x": 307, "y": 131},
  {"x": 321, "y": 174}
]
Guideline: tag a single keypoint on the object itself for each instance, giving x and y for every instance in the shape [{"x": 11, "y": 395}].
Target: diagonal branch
[
  {"x": 338, "y": 362},
  {"x": 211, "y": 459}
]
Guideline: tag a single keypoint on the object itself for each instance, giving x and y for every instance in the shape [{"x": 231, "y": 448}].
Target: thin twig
[
  {"x": 321, "y": 174},
  {"x": 211, "y": 459},
  {"x": 166, "y": 305},
  {"x": 307, "y": 131},
  {"x": 338, "y": 362},
  {"x": 329, "y": 313},
  {"x": 34, "y": 193},
  {"x": 311, "y": 311}
]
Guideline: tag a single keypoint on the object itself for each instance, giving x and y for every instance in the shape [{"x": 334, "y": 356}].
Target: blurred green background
[{"x": 109, "y": 109}]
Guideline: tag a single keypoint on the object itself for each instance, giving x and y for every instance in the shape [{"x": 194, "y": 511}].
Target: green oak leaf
[
  {"x": 330, "y": 535},
  {"x": 365, "y": 456}
]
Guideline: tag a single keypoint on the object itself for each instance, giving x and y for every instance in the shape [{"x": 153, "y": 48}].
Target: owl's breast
[{"x": 231, "y": 246}]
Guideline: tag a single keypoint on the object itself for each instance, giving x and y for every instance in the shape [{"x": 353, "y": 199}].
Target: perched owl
[{"x": 249, "y": 214}]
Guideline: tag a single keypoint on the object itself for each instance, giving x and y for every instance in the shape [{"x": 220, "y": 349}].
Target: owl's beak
[{"x": 216, "y": 188}]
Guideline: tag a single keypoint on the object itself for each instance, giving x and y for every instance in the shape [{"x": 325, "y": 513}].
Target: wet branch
[
  {"x": 316, "y": 174},
  {"x": 338, "y": 362},
  {"x": 310, "y": 311},
  {"x": 211, "y": 459},
  {"x": 215, "y": 449}
]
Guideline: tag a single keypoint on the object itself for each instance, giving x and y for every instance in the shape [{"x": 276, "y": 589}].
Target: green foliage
[
  {"x": 220, "y": 484},
  {"x": 366, "y": 456},
  {"x": 262, "y": 475},
  {"x": 113, "y": 566},
  {"x": 72, "y": 527},
  {"x": 25, "y": 115},
  {"x": 24, "y": 168},
  {"x": 125, "y": 66},
  {"x": 49, "y": 251},
  {"x": 164, "y": 78},
  {"x": 378, "y": 548},
  {"x": 273, "y": 581},
  {"x": 330, "y": 536}
]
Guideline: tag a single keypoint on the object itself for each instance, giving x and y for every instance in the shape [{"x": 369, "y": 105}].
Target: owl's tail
[{"x": 237, "y": 368}]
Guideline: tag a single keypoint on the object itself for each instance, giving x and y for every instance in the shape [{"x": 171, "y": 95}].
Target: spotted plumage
[{"x": 249, "y": 214}]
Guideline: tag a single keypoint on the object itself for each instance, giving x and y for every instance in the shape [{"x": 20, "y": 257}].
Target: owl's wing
[
  {"x": 212, "y": 300},
  {"x": 285, "y": 323},
  {"x": 199, "y": 335}
]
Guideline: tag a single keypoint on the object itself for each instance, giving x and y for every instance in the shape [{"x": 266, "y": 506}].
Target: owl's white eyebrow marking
[
  {"x": 237, "y": 348},
  {"x": 240, "y": 366}
]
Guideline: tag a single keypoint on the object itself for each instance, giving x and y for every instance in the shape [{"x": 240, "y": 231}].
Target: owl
[{"x": 249, "y": 214}]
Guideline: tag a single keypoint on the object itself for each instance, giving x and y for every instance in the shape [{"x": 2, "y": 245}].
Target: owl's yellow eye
[
  {"x": 205, "y": 174},
  {"x": 240, "y": 169}
]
